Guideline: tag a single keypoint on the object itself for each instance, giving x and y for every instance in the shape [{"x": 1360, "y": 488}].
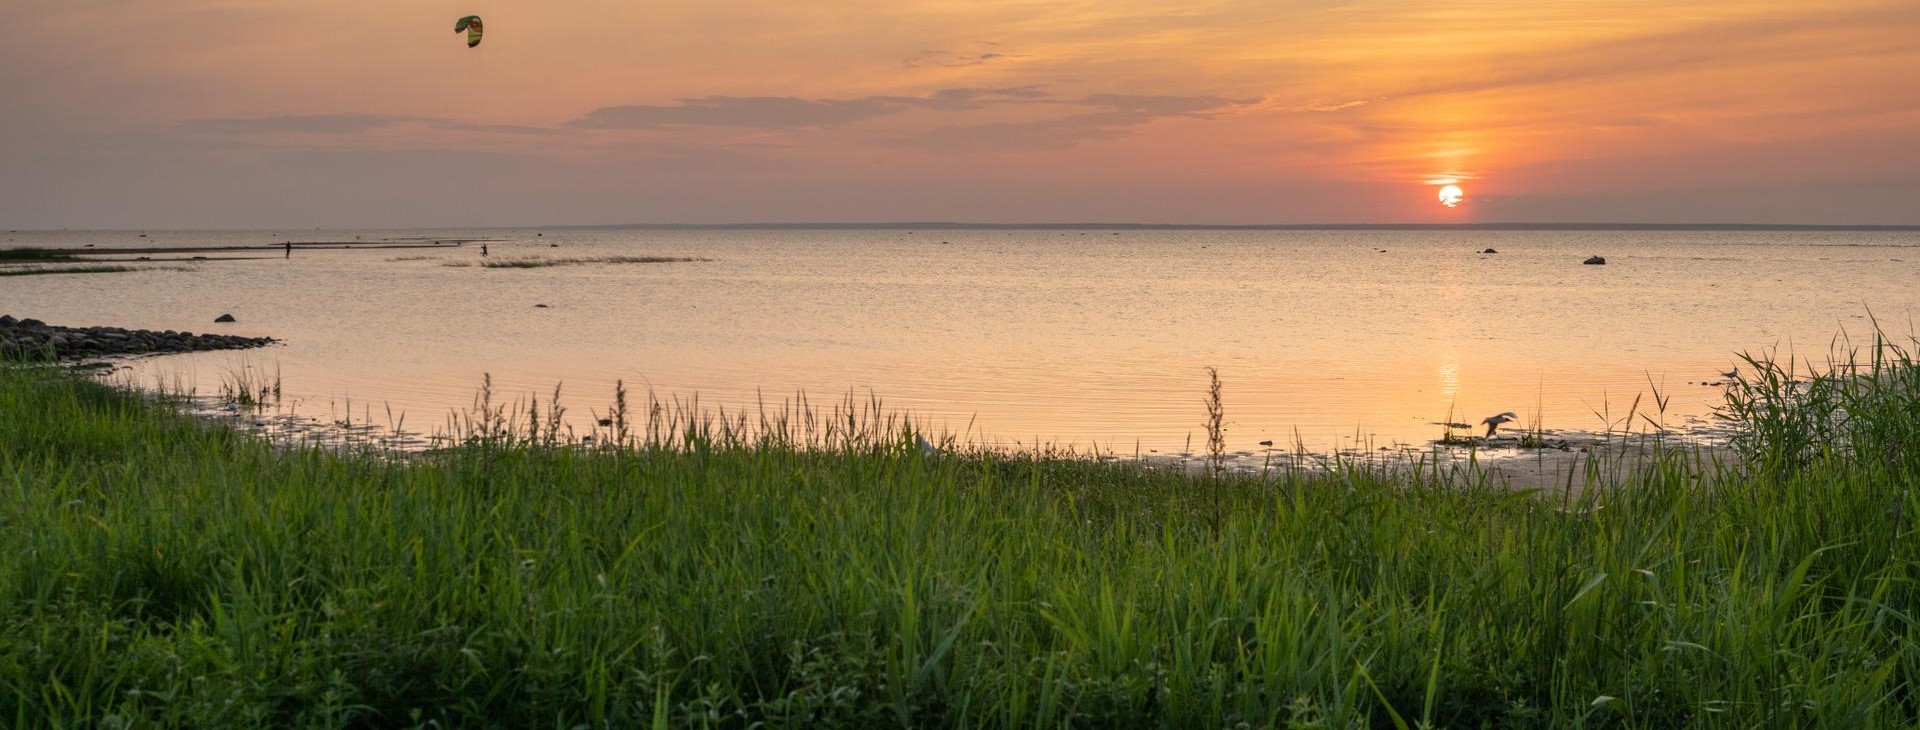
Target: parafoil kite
[{"x": 470, "y": 24}]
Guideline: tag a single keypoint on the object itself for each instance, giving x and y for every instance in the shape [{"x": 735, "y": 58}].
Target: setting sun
[{"x": 1451, "y": 196}]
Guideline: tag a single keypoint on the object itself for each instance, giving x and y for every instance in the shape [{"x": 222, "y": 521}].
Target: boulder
[
  {"x": 1595, "y": 261},
  {"x": 225, "y": 318},
  {"x": 33, "y": 336},
  {"x": 1489, "y": 251}
]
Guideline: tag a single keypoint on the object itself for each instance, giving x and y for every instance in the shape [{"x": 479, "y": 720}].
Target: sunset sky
[{"x": 363, "y": 113}]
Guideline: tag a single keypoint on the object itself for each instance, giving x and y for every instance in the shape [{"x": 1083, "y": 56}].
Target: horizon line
[
  {"x": 1506, "y": 225},
  {"x": 962, "y": 225}
]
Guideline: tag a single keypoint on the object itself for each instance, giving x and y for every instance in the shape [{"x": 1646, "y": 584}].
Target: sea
[{"x": 1087, "y": 339}]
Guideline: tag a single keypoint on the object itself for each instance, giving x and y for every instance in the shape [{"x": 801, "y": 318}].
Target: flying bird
[{"x": 1493, "y": 422}]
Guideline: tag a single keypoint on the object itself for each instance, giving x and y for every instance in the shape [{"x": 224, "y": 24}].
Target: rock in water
[
  {"x": 1596, "y": 261},
  {"x": 32, "y": 336},
  {"x": 1489, "y": 251},
  {"x": 225, "y": 318}
]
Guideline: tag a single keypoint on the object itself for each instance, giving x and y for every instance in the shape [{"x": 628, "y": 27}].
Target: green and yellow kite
[{"x": 470, "y": 24}]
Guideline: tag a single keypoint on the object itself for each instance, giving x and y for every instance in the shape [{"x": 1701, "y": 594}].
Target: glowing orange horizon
[{"x": 990, "y": 110}]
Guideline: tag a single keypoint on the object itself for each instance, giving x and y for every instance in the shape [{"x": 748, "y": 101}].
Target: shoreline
[
  {"x": 31, "y": 337},
  {"x": 1547, "y": 460},
  {"x": 1542, "y": 459}
]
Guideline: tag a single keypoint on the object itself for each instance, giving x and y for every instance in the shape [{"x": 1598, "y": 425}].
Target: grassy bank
[
  {"x": 160, "y": 572},
  {"x": 20, "y": 262},
  {"x": 27, "y": 255}
]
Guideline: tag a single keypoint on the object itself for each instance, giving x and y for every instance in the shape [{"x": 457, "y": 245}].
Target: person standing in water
[{"x": 289, "y": 249}]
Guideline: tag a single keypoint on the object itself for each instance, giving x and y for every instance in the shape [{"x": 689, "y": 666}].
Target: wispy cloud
[
  {"x": 789, "y": 112},
  {"x": 1117, "y": 114},
  {"x": 1812, "y": 36},
  {"x": 292, "y": 124},
  {"x": 340, "y": 125},
  {"x": 967, "y": 98},
  {"x": 981, "y": 54},
  {"x": 1323, "y": 106},
  {"x": 756, "y": 112}
]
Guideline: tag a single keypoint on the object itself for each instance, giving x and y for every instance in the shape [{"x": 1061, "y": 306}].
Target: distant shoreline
[
  {"x": 949, "y": 225},
  {"x": 961, "y": 226}
]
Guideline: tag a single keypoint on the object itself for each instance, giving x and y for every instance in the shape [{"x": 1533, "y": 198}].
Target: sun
[{"x": 1451, "y": 196}]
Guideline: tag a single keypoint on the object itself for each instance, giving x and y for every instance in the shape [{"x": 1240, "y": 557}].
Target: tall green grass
[
  {"x": 1859, "y": 405},
  {"x": 814, "y": 569}
]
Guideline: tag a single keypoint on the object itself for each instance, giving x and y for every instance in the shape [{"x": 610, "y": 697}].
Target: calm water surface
[{"x": 1077, "y": 338}]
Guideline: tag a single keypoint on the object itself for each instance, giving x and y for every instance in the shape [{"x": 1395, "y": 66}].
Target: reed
[
  {"x": 248, "y": 386},
  {"x": 1861, "y": 405},
  {"x": 1216, "y": 425},
  {"x": 807, "y": 566}
]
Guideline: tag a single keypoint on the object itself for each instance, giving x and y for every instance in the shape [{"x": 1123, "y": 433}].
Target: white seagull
[{"x": 1493, "y": 422}]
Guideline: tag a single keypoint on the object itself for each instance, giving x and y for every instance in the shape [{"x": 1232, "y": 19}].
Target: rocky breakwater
[{"x": 34, "y": 338}]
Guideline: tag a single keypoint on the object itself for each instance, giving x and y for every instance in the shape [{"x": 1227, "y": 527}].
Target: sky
[{"x": 365, "y": 113}]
